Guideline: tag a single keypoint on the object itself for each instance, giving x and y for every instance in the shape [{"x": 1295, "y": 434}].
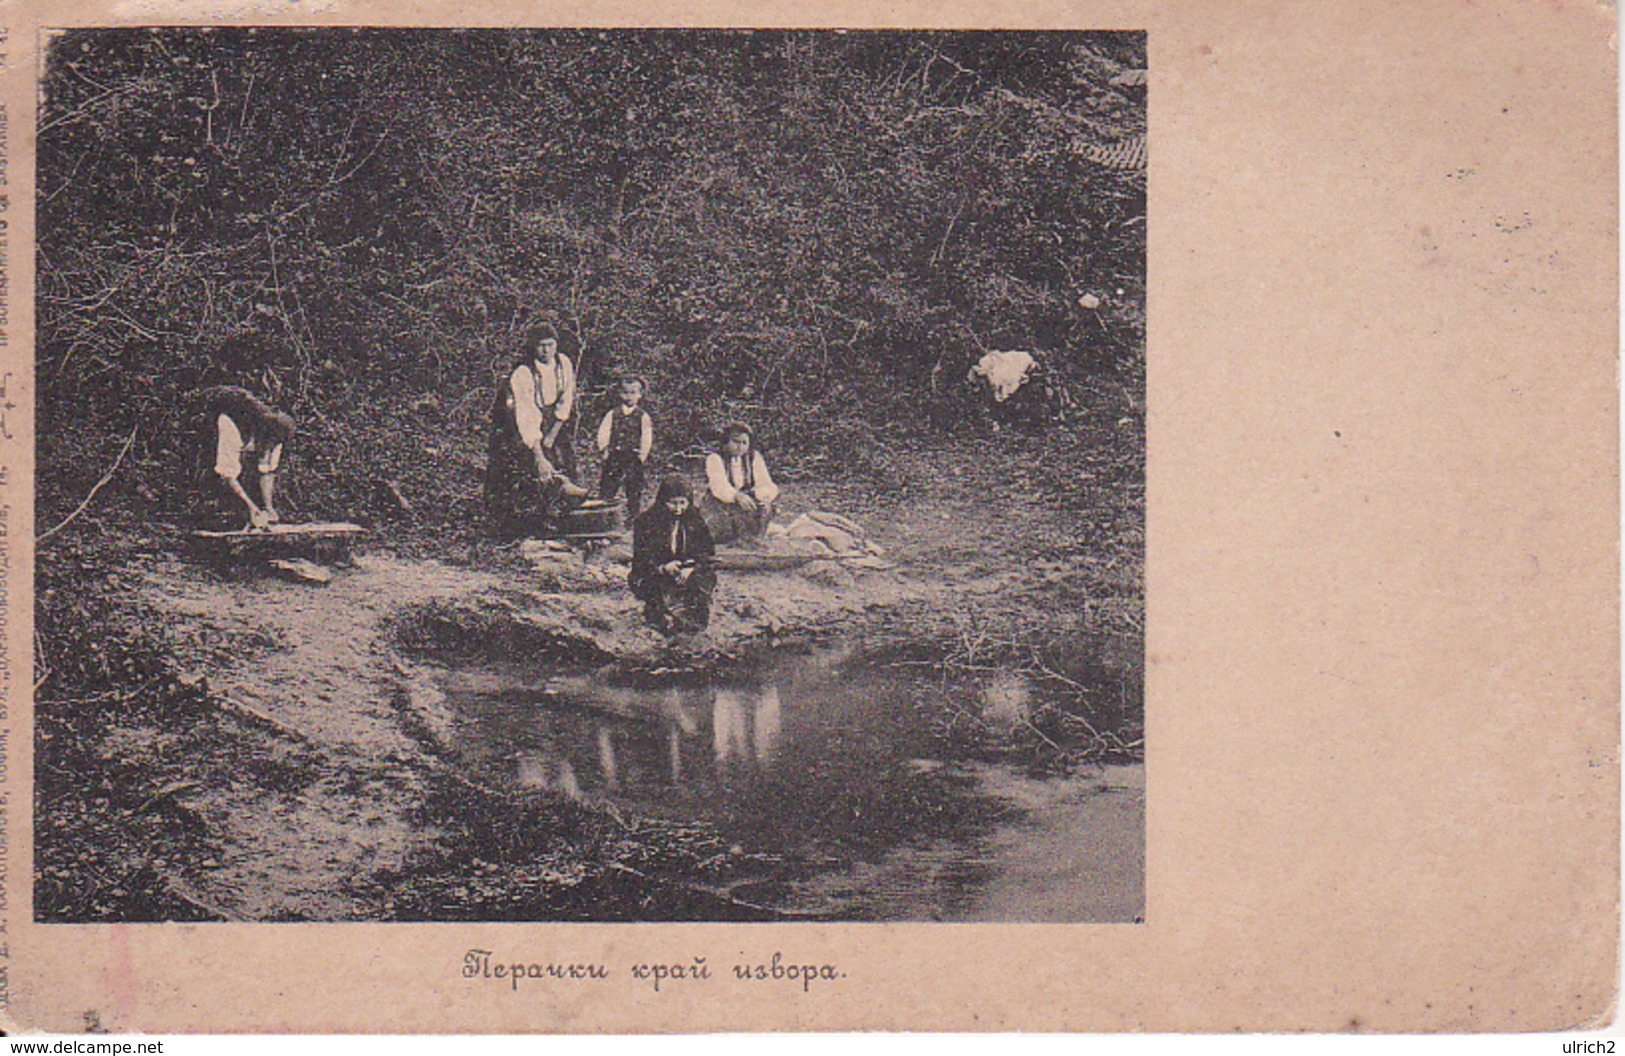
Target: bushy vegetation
[{"x": 817, "y": 231}]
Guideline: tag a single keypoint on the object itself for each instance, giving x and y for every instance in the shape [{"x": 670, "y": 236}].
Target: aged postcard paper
[{"x": 707, "y": 517}]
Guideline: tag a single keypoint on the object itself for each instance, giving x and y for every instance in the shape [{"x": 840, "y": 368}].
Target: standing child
[{"x": 625, "y": 437}]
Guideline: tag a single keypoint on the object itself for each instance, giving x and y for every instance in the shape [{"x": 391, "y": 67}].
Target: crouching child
[{"x": 673, "y": 571}]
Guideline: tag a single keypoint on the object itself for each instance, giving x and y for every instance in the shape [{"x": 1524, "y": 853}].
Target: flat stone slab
[
  {"x": 735, "y": 560},
  {"x": 285, "y": 532},
  {"x": 329, "y": 541},
  {"x": 301, "y": 571}
]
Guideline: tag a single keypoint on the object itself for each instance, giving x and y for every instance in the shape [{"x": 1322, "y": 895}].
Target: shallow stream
[{"x": 834, "y": 764}]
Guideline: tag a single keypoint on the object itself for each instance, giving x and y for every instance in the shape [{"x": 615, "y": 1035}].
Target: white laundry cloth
[{"x": 1005, "y": 372}]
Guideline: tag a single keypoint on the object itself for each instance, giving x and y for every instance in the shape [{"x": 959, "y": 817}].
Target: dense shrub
[{"x": 815, "y": 230}]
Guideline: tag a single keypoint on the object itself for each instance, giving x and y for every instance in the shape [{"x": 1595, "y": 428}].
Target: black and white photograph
[{"x": 547, "y": 475}]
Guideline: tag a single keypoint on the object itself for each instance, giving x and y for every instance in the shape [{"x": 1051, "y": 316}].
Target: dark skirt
[
  {"x": 671, "y": 607},
  {"x": 515, "y": 500},
  {"x": 563, "y": 453},
  {"x": 730, "y": 523}
]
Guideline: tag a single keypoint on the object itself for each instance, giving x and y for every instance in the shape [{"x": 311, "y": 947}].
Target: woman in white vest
[
  {"x": 531, "y": 464},
  {"x": 544, "y": 393},
  {"x": 740, "y": 492},
  {"x": 233, "y": 424}
]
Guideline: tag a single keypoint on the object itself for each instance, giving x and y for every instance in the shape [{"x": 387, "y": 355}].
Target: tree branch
[{"x": 99, "y": 484}]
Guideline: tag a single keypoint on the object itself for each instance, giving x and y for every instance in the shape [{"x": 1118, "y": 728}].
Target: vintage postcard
[{"x": 709, "y": 518}]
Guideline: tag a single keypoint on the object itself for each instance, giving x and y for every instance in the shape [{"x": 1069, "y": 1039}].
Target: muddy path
[{"x": 420, "y": 739}]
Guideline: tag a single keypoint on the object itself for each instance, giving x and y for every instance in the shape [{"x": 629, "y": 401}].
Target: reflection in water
[
  {"x": 745, "y": 725},
  {"x": 676, "y": 709},
  {"x": 575, "y": 735},
  {"x": 795, "y": 723},
  {"x": 768, "y": 724},
  {"x": 532, "y": 771},
  {"x": 567, "y": 780},
  {"x": 537, "y": 770},
  {"x": 677, "y": 716},
  {"x": 817, "y": 760},
  {"x": 804, "y": 729},
  {"x": 606, "y": 756},
  {"x": 728, "y": 716}
]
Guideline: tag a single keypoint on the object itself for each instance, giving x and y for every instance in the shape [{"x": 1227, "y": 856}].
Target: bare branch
[{"x": 99, "y": 485}]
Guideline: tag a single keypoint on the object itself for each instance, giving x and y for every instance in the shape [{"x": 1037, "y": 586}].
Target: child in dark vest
[
  {"x": 673, "y": 571},
  {"x": 625, "y": 436}
]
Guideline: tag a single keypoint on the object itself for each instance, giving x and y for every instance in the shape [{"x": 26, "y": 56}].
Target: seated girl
[{"x": 739, "y": 491}]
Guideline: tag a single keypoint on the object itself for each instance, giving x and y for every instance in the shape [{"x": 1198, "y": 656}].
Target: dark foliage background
[{"x": 817, "y": 231}]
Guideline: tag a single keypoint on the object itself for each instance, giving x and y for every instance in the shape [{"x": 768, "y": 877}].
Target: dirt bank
[{"x": 276, "y": 750}]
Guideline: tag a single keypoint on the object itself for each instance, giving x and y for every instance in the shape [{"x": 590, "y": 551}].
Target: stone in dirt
[
  {"x": 562, "y": 568},
  {"x": 828, "y": 574},
  {"x": 839, "y": 534},
  {"x": 301, "y": 571},
  {"x": 798, "y": 545}
]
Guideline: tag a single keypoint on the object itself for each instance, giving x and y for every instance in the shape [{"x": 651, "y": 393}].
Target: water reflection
[
  {"x": 815, "y": 759},
  {"x": 579, "y": 736},
  {"x": 807, "y": 724},
  {"x": 534, "y": 769},
  {"x": 606, "y": 756},
  {"x": 745, "y": 725}
]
